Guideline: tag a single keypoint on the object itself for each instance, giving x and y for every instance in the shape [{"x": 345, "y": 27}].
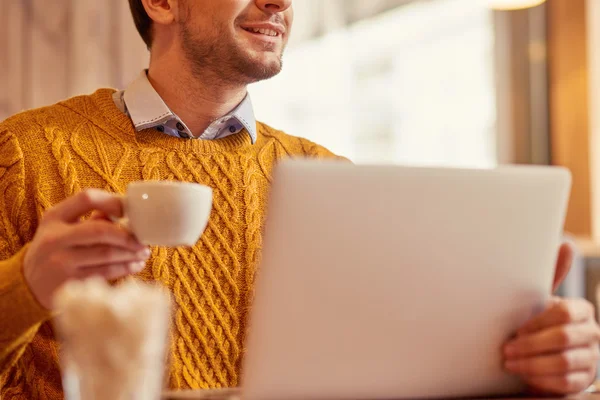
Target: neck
[{"x": 197, "y": 97}]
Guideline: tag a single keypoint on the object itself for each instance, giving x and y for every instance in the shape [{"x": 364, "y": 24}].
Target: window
[{"x": 413, "y": 85}]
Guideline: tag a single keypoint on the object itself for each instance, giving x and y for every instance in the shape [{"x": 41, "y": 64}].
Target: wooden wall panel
[
  {"x": 93, "y": 57},
  {"x": 130, "y": 54},
  {"x": 47, "y": 50},
  {"x": 12, "y": 44},
  {"x": 569, "y": 105},
  {"x": 593, "y": 18},
  {"x": 50, "y": 50}
]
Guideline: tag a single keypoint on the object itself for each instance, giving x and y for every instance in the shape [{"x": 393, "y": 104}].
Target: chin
[
  {"x": 261, "y": 74},
  {"x": 261, "y": 68}
]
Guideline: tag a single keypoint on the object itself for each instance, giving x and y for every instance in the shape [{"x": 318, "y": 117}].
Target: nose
[{"x": 274, "y": 6}]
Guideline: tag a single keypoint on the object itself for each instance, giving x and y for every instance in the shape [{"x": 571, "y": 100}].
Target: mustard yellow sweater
[{"x": 52, "y": 153}]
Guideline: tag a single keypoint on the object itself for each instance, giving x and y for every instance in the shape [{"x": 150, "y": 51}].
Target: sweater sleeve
[{"x": 20, "y": 313}]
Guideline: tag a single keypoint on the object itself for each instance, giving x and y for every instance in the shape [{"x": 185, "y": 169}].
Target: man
[{"x": 187, "y": 118}]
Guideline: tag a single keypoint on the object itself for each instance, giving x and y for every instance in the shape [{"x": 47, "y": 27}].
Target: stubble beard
[{"x": 225, "y": 59}]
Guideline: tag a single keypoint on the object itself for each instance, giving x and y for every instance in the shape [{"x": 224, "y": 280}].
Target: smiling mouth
[{"x": 263, "y": 31}]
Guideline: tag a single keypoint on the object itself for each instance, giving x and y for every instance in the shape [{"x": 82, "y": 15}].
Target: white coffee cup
[{"x": 166, "y": 213}]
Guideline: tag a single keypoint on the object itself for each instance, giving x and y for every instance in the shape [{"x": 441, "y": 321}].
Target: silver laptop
[{"x": 387, "y": 282}]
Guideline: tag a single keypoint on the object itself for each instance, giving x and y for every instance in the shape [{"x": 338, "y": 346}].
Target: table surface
[{"x": 233, "y": 394}]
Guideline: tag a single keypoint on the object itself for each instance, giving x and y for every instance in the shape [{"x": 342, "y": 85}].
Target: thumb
[{"x": 566, "y": 255}]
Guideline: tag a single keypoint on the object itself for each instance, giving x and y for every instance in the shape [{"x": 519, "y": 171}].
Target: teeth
[{"x": 263, "y": 31}]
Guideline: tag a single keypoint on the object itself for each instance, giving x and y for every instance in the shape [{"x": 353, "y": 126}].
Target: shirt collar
[{"x": 148, "y": 110}]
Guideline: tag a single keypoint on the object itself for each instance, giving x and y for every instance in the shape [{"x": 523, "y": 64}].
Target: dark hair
[{"x": 143, "y": 22}]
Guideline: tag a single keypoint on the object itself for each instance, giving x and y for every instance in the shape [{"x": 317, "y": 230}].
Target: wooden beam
[
  {"x": 569, "y": 105},
  {"x": 521, "y": 86},
  {"x": 513, "y": 93},
  {"x": 593, "y": 28}
]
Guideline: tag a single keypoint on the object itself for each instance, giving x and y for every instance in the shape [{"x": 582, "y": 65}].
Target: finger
[
  {"x": 564, "y": 262},
  {"x": 580, "y": 359},
  {"x": 91, "y": 256},
  {"x": 90, "y": 233},
  {"x": 560, "y": 313},
  {"x": 73, "y": 208},
  {"x": 554, "y": 339},
  {"x": 566, "y": 255},
  {"x": 112, "y": 271},
  {"x": 99, "y": 216},
  {"x": 570, "y": 383}
]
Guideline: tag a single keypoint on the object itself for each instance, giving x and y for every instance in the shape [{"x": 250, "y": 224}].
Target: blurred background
[{"x": 472, "y": 83}]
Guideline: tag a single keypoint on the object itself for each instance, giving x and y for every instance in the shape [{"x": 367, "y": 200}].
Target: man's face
[{"x": 241, "y": 40}]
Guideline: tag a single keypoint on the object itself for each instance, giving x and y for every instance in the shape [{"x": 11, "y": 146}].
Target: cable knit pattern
[
  {"x": 85, "y": 142},
  {"x": 63, "y": 156}
]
